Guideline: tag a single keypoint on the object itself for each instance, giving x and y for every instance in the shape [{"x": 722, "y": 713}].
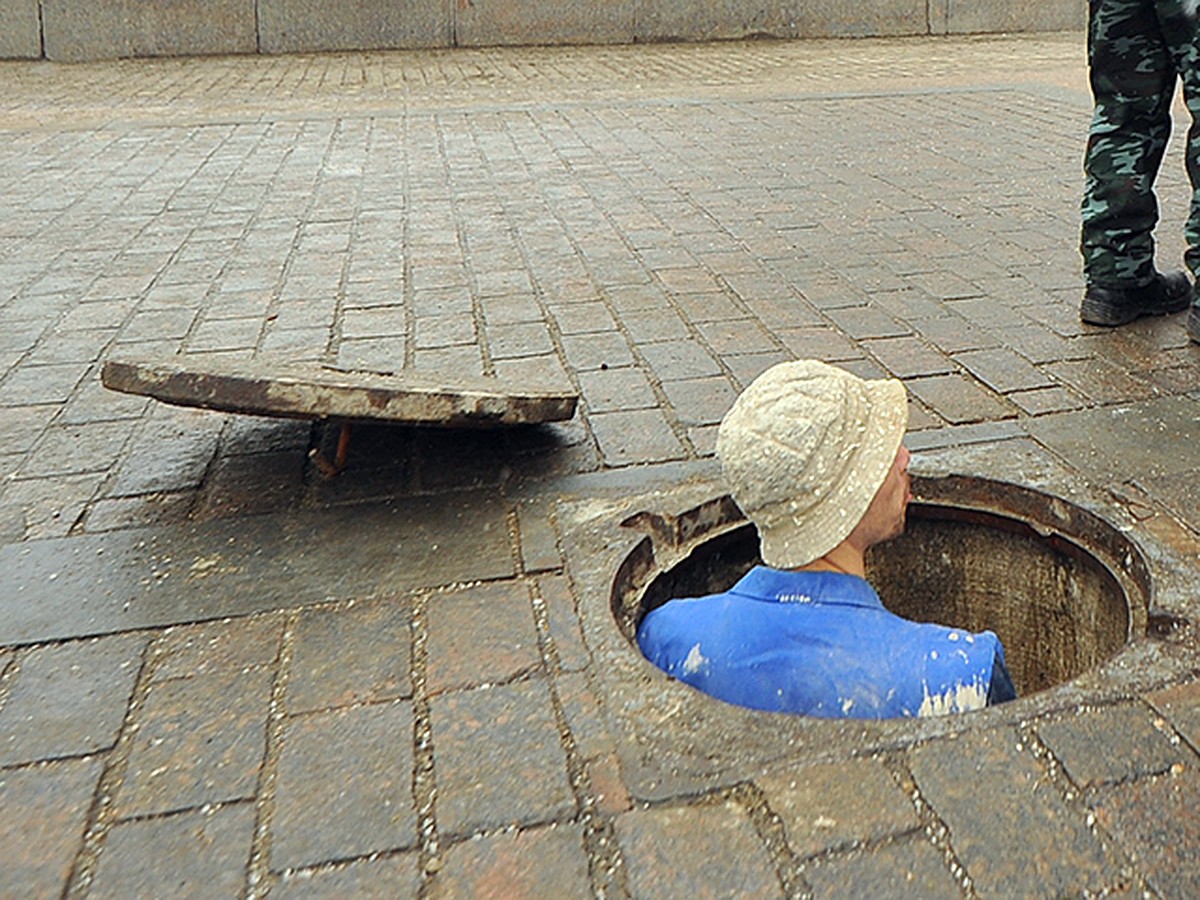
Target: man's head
[{"x": 805, "y": 449}]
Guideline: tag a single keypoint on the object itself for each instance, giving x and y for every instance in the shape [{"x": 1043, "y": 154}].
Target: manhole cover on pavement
[{"x": 319, "y": 392}]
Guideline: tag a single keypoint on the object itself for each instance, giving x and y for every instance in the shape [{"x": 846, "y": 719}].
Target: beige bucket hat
[{"x": 804, "y": 449}]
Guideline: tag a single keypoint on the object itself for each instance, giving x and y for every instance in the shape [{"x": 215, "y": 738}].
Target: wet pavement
[{"x": 225, "y": 674}]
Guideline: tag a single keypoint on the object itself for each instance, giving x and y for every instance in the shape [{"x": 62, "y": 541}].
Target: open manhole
[{"x": 1063, "y": 589}]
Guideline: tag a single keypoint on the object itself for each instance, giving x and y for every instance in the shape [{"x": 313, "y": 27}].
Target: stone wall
[{"x": 72, "y": 31}]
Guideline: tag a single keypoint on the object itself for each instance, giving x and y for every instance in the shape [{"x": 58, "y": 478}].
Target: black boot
[{"x": 1115, "y": 306}]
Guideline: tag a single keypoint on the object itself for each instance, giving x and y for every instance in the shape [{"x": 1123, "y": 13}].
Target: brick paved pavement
[{"x": 223, "y": 675}]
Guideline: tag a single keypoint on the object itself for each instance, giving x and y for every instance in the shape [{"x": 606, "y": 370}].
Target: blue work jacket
[{"x": 821, "y": 644}]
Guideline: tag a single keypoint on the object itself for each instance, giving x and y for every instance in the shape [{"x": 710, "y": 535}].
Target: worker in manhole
[{"x": 813, "y": 455}]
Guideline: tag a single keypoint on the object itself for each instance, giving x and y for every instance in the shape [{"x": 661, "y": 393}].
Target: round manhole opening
[{"x": 1064, "y": 590}]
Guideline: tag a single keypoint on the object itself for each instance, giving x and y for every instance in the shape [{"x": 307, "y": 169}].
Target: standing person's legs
[
  {"x": 1133, "y": 81},
  {"x": 1181, "y": 31}
]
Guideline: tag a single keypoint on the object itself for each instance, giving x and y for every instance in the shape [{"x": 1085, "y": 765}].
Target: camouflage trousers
[{"x": 1137, "y": 52}]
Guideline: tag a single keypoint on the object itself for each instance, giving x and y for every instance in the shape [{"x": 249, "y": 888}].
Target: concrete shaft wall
[{"x": 70, "y": 30}]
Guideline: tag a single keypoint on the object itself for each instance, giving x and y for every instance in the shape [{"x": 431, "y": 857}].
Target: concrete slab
[
  {"x": 291, "y": 26},
  {"x": 100, "y": 584},
  {"x": 20, "y": 29},
  {"x": 319, "y": 392},
  {"x": 109, "y": 29}
]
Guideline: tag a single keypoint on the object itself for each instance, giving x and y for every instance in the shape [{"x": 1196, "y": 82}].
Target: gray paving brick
[
  {"x": 700, "y": 401},
  {"x": 94, "y": 447},
  {"x": 200, "y": 853},
  {"x": 1002, "y": 370},
  {"x": 33, "y": 385},
  {"x": 480, "y": 635},
  {"x": 680, "y": 359},
  {"x": 612, "y": 389},
  {"x": 830, "y": 806},
  {"x": 41, "y": 831},
  {"x": 635, "y": 436},
  {"x": 347, "y": 655},
  {"x": 1113, "y": 744},
  {"x": 199, "y": 741},
  {"x": 343, "y": 786},
  {"x": 540, "y": 862},
  {"x": 1155, "y": 821},
  {"x": 171, "y": 452},
  {"x": 958, "y": 400},
  {"x": 1024, "y": 841},
  {"x": 498, "y": 759},
  {"x": 908, "y": 868},
  {"x": 69, "y": 699},
  {"x": 713, "y": 850},
  {"x": 212, "y": 648}
]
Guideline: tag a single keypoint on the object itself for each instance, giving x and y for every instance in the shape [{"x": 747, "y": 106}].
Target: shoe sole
[{"x": 1095, "y": 312}]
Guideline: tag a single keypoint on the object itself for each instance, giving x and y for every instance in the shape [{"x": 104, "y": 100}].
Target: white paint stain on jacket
[
  {"x": 695, "y": 661},
  {"x": 959, "y": 698}
]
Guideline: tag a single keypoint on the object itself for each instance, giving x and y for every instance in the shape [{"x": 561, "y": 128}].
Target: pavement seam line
[
  {"x": 606, "y": 867},
  {"x": 258, "y": 876},
  {"x": 102, "y": 816}
]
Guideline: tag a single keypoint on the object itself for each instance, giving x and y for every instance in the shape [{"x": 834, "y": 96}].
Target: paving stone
[
  {"x": 685, "y": 851},
  {"x": 445, "y": 331},
  {"x": 700, "y": 401},
  {"x": 564, "y": 622},
  {"x": 1155, "y": 821},
  {"x": 518, "y": 339},
  {"x": 539, "y": 537},
  {"x": 1180, "y": 705},
  {"x": 216, "y": 647},
  {"x": 344, "y": 786},
  {"x": 829, "y": 806},
  {"x": 737, "y": 335},
  {"x": 541, "y": 862},
  {"x": 24, "y": 425},
  {"x": 863, "y": 322},
  {"x": 1111, "y": 444},
  {"x": 171, "y": 452},
  {"x": 41, "y": 831},
  {"x": 635, "y": 436},
  {"x": 826, "y": 344},
  {"x": 480, "y": 635},
  {"x": 585, "y": 352},
  {"x": 951, "y": 333},
  {"x": 648, "y": 326},
  {"x": 587, "y": 317},
  {"x": 347, "y": 655},
  {"x": 251, "y": 484},
  {"x": 911, "y": 867},
  {"x": 1008, "y": 824},
  {"x": 498, "y": 759},
  {"x": 32, "y": 385},
  {"x": 1110, "y": 745},
  {"x": 69, "y": 699},
  {"x": 676, "y": 360},
  {"x": 204, "y": 853},
  {"x": 608, "y": 390},
  {"x": 1045, "y": 400},
  {"x": 1002, "y": 370},
  {"x": 958, "y": 400},
  {"x": 76, "y": 448},
  {"x": 370, "y": 879},
  {"x": 377, "y": 321},
  {"x": 908, "y": 357},
  {"x": 51, "y": 506},
  {"x": 58, "y": 348},
  {"x": 199, "y": 741},
  {"x": 1099, "y": 380}
]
